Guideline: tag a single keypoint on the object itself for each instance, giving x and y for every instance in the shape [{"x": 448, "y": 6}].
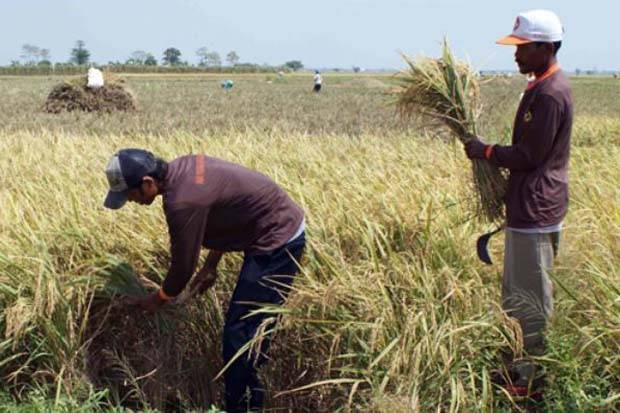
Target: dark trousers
[{"x": 265, "y": 278}]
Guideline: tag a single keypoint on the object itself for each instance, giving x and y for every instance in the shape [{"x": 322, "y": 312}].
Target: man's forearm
[
  {"x": 514, "y": 157},
  {"x": 212, "y": 260},
  {"x": 208, "y": 274}
]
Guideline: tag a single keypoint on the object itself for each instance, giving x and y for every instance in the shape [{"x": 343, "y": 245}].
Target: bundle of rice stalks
[
  {"x": 446, "y": 90},
  {"x": 165, "y": 361},
  {"x": 73, "y": 95}
]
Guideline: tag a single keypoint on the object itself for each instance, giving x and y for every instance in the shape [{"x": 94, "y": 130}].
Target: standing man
[
  {"x": 537, "y": 196},
  {"x": 224, "y": 207},
  {"x": 318, "y": 81}
]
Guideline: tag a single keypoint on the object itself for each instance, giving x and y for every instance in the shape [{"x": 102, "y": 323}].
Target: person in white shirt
[{"x": 318, "y": 81}]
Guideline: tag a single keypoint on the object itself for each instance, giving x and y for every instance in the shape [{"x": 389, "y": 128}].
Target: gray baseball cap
[{"x": 125, "y": 171}]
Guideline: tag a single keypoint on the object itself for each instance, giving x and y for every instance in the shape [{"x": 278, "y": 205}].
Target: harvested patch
[
  {"x": 165, "y": 361},
  {"x": 370, "y": 83},
  {"x": 73, "y": 95}
]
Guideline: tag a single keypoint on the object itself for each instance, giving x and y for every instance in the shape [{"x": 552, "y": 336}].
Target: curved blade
[{"x": 482, "y": 246}]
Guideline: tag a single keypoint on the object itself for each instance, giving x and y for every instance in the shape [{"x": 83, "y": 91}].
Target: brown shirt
[
  {"x": 219, "y": 205},
  {"x": 537, "y": 193}
]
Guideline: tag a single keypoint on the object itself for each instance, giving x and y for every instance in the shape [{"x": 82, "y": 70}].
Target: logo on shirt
[{"x": 527, "y": 118}]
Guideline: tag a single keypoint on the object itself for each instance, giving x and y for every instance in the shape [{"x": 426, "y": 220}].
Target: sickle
[{"x": 482, "y": 246}]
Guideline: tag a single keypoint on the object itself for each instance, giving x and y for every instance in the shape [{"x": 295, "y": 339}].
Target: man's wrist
[
  {"x": 488, "y": 151},
  {"x": 162, "y": 297}
]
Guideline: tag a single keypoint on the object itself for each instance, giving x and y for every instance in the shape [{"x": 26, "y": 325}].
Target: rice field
[{"x": 392, "y": 311}]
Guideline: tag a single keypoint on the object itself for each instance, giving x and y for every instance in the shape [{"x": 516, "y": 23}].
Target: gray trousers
[{"x": 527, "y": 291}]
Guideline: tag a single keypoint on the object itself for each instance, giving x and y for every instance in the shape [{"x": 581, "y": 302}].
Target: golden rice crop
[{"x": 391, "y": 311}]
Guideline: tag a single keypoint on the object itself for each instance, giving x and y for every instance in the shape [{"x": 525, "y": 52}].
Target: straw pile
[
  {"x": 446, "y": 90},
  {"x": 73, "y": 95}
]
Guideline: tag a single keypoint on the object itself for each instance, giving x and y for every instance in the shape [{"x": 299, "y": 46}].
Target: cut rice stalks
[{"x": 446, "y": 90}]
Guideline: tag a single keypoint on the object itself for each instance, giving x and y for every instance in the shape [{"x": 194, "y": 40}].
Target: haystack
[{"x": 73, "y": 95}]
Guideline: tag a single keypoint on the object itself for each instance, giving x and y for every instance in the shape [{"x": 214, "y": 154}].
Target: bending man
[{"x": 224, "y": 207}]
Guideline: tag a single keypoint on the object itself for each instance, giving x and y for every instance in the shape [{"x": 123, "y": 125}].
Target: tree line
[{"x": 171, "y": 57}]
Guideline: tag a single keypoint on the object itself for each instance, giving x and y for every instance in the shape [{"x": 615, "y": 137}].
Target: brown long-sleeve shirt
[
  {"x": 222, "y": 206},
  {"x": 538, "y": 158}
]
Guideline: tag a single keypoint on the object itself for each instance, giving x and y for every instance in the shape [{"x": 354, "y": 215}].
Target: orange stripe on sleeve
[{"x": 200, "y": 170}]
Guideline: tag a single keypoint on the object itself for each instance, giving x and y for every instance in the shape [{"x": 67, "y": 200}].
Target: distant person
[
  {"x": 214, "y": 204},
  {"x": 227, "y": 84},
  {"x": 318, "y": 81},
  {"x": 537, "y": 197}
]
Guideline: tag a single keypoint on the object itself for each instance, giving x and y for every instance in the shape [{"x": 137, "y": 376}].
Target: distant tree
[
  {"x": 356, "y": 69},
  {"x": 172, "y": 56},
  {"x": 294, "y": 65},
  {"x": 577, "y": 71},
  {"x": 30, "y": 53},
  {"x": 150, "y": 60},
  {"x": 213, "y": 59},
  {"x": 202, "y": 54},
  {"x": 137, "y": 57},
  {"x": 79, "y": 54},
  {"x": 44, "y": 63},
  {"x": 232, "y": 58},
  {"x": 44, "y": 54}
]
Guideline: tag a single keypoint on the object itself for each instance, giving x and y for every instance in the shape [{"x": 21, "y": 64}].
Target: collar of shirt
[{"x": 551, "y": 71}]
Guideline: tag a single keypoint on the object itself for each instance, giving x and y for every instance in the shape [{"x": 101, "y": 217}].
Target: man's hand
[
  {"x": 474, "y": 148},
  {"x": 150, "y": 303},
  {"x": 203, "y": 281}
]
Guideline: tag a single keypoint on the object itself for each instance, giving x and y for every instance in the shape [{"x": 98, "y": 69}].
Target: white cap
[{"x": 535, "y": 26}]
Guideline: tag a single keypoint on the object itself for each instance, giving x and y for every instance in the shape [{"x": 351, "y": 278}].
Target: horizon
[{"x": 321, "y": 35}]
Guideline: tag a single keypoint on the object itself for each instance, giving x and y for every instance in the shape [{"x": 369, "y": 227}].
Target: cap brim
[
  {"x": 115, "y": 200},
  {"x": 513, "y": 41}
]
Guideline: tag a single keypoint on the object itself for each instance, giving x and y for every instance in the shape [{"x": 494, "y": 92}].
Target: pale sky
[{"x": 320, "y": 33}]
